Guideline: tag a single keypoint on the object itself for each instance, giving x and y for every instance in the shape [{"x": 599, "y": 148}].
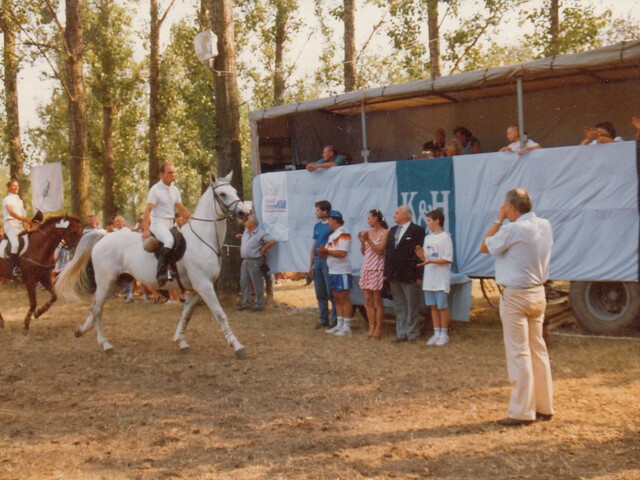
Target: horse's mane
[{"x": 57, "y": 218}]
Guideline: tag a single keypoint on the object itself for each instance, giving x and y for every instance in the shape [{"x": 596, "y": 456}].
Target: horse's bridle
[{"x": 228, "y": 212}]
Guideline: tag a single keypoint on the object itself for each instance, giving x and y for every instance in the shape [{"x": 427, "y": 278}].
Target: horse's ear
[
  {"x": 213, "y": 177},
  {"x": 228, "y": 177}
]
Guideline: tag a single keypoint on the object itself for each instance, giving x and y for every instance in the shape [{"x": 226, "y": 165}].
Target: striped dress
[{"x": 372, "y": 269}]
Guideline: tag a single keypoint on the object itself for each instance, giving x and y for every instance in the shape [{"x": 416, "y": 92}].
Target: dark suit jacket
[{"x": 400, "y": 262}]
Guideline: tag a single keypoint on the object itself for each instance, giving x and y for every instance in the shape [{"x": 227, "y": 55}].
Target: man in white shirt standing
[
  {"x": 522, "y": 251},
  {"x": 162, "y": 201},
  {"x": 14, "y": 214}
]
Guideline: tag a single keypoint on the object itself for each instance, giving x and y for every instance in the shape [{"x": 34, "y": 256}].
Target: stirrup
[{"x": 16, "y": 272}]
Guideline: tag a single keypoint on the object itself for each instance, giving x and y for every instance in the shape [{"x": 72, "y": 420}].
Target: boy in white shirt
[{"x": 436, "y": 256}]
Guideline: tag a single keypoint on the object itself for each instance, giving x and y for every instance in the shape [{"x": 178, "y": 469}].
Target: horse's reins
[{"x": 227, "y": 211}]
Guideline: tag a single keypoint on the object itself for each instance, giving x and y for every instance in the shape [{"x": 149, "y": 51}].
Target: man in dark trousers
[{"x": 403, "y": 274}]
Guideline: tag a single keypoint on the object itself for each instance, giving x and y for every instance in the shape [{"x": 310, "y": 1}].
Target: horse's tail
[{"x": 74, "y": 279}]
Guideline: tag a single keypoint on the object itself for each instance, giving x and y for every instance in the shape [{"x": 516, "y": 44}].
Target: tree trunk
[
  {"x": 434, "y": 38},
  {"x": 79, "y": 161},
  {"x": 109, "y": 209},
  {"x": 282, "y": 16},
  {"x": 228, "y": 129},
  {"x": 349, "y": 45},
  {"x": 554, "y": 30},
  {"x": 16, "y": 154},
  {"x": 154, "y": 93}
]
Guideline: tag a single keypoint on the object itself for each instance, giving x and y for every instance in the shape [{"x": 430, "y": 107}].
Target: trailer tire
[{"x": 605, "y": 308}]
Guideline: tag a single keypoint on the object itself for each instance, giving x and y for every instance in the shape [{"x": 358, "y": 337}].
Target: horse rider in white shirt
[
  {"x": 14, "y": 215},
  {"x": 163, "y": 200}
]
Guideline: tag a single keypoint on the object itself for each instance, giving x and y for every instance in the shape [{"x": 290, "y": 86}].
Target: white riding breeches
[
  {"x": 11, "y": 231},
  {"x": 161, "y": 227}
]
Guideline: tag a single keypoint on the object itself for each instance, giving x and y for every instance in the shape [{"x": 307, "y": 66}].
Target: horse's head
[
  {"x": 227, "y": 199},
  {"x": 69, "y": 230}
]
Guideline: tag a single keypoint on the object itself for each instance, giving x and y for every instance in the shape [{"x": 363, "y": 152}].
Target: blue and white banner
[
  {"x": 428, "y": 185},
  {"x": 588, "y": 193},
  {"x": 274, "y": 206}
]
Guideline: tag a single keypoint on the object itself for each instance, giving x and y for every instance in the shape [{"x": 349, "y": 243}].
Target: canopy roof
[{"x": 614, "y": 63}]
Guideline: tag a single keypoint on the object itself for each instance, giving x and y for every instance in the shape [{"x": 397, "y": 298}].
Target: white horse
[{"x": 115, "y": 255}]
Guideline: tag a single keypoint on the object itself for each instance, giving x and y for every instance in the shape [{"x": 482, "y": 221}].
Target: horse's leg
[
  {"x": 209, "y": 296},
  {"x": 102, "y": 294},
  {"x": 94, "y": 318},
  {"x": 187, "y": 311},
  {"x": 30, "y": 284},
  {"x": 45, "y": 280}
]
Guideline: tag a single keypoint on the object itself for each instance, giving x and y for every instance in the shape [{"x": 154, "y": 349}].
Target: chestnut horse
[{"x": 36, "y": 260}]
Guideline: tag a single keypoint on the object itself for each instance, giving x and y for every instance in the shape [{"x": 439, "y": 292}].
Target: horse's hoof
[
  {"x": 1, "y": 323},
  {"x": 77, "y": 332},
  {"x": 25, "y": 332},
  {"x": 110, "y": 352},
  {"x": 242, "y": 353},
  {"x": 185, "y": 350}
]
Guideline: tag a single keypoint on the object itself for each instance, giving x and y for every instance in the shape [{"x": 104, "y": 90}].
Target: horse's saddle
[
  {"x": 23, "y": 239},
  {"x": 153, "y": 245},
  {"x": 5, "y": 246}
]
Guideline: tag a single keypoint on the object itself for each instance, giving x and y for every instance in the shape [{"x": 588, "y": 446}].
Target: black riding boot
[
  {"x": 163, "y": 263},
  {"x": 15, "y": 266}
]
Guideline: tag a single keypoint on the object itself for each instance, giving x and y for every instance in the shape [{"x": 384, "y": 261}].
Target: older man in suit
[{"x": 403, "y": 274}]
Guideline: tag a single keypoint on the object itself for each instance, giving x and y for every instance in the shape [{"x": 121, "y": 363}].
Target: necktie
[{"x": 398, "y": 235}]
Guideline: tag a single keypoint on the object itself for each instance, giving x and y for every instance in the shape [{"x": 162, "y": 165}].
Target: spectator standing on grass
[
  {"x": 404, "y": 276},
  {"x": 373, "y": 244},
  {"x": 91, "y": 223},
  {"x": 318, "y": 269},
  {"x": 340, "y": 272},
  {"x": 253, "y": 247},
  {"x": 436, "y": 255},
  {"x": 522, "y": 251}
]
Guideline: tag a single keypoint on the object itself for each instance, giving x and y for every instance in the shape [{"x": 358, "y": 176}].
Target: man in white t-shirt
[
  {"x": 163, "y": 200},
  {"x": 14, "y": 214},
  {"x": 513, "y": 135}
]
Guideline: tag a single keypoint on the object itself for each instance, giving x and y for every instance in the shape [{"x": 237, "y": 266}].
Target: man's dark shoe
[
  {"x": 400, "y": 340},
  {"x": 411, "y": 340},
  {"x": 319, "y": 326},
  {"x": 257, "y": 309},
  {"x": 514, "y": 422},
  {"x": 543, "y": 417},
  {"x": 243, "y": 307}
]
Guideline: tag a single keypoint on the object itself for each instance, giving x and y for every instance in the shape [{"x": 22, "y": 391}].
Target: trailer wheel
[{"x": 605, "y": 307}]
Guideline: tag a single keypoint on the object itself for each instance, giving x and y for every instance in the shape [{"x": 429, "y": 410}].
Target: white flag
[{"x": 47, "y": 187}]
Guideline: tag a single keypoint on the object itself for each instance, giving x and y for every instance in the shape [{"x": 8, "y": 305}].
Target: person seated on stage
[
  {"x": 635, "y": 121},
  {"x": 440, "y": 142},
  {"x": 465, "y": 142},
  {"x": 428, "y": 151},
  {"x": 513, "y": 135},
  {"x": 603, "y": 132},
  {"x": 330, "y": 158}
]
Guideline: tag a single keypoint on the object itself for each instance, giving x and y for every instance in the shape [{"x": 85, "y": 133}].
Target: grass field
[{"x": 303, "y": 405}]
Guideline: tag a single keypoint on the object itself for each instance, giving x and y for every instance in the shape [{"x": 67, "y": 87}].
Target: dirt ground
[{"x": 303, "y": 405}]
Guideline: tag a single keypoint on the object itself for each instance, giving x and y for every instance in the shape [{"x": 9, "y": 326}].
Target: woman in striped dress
[{"x": 373, "y": 244}]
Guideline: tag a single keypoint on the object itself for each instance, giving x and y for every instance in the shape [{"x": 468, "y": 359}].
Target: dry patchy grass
[{"x": 303, "y": 405}]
